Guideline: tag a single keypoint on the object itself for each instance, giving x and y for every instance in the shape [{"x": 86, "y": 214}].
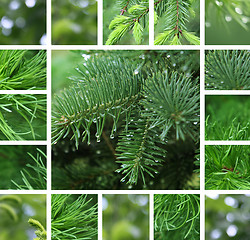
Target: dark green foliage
[
  {"x": 23, "y": 22},
  {"x": 30, "y": 160},
  {"x": 73, "y": 218},
  {"x": 177, "y": 216},
  {"x": 35, "y": 175},
  {"x": 171, "y": 22},
  {"x": 22, "y": 70},
  {"x": 227, "y": 70},
  {"x": 125, "y": 216},
  {"x": 15, "y": 212},
  {"x": 130, "y": 110},
  {"x": 22, "y": 117},
  {"x": 227, "y": 167},
  {"x": 227, "y": 22},
  {"x": 74, "y": 22},
  {"x": 227, "y": 118},
  {"x": 130, "y": 16},
  {"x": 227, "y": 216}
]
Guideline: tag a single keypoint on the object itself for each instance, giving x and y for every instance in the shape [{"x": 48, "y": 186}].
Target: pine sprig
[
  {"x": 40, "y": 232},
  {"x": 176, "y": 14},
  {"x": 227, "y": 70},
  {"x": 138, "y": 151},
  {"x": 73, "y": 220},
  {"x": 106, "y": 88},
  {"x": 35, "y": 176},
  {"x": 176, "y": 215},
  {"x": 172, "y": 101},
  {"x": 133, "y": 17},
  {"x": 19, "y": 72}
]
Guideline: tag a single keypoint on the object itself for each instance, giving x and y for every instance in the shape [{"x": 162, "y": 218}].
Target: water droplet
[
  {"x": 219, "y": 3},
  {"x": 98, "y": 152},
  {"x": 123, "y": 180},
  {"x": 228, "y": 18},
  {"x": 130, "y": 186},
  {"x": 238, "y": 10},
  {"x": 112, "y": 136}
]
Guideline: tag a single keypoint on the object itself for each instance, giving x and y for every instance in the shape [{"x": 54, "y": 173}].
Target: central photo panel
[{"x": 125, "y": 119}]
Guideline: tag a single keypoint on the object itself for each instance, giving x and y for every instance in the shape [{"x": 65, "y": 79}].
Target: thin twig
[{"x": 109, "y": 144}]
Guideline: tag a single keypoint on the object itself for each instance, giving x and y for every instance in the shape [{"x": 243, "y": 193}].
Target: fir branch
[
  {"x": 138, "y": 151},
  {"x": 73, "y": 220},
  {"x": 106, "y": 88},
  {"x": 35, "y": 176},
  {"x": 227, "y": 70},
  {"x": 172, "y": 101}
]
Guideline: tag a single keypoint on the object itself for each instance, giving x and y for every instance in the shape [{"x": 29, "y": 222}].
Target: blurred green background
[
  {"x": 13, "y": 159},
  {"x": 30, "y": 206},
  {"x": 227, "y": 217},
  {"x": 125, "y": 217},
  {"x": 74, "y": 22},
  {"x": 22, "y": 22},
  {"x": 223, "y": 29}
]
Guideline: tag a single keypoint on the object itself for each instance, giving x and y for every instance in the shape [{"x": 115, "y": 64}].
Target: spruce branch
[
  {"x": 107, "y": 88},
  {"x": 138, "y": 151},
  {"x": 227, "y": 70}
]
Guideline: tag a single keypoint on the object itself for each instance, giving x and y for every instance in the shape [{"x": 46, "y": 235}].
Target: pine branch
[
  {"x": 73, "y": 220},
  {"x": 40, "y": 232},
  {"x": 35, "y": 176},
  {"x": 172, "y": 101},
  {"x": 228, "y": 70},
  {"x": 138, "y": 151},
  {"x": 107, "y": 88},
  {"x": 19, "y": 71},
  {"x": 177, "y": 216}
]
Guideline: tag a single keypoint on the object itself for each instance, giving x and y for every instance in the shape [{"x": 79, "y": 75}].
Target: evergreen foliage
[
  {"x": 227, "y": 167},
  {"x": 22, "y": 117},
  {"x": 22, "y": 70},
  {"x": 227, "y": 70},
  {"x": 138, "y": 109},
  {"x": 177, "y": 216},
  {"x": 40, "y": 232},
  {"x": 133, "y": 17},
  {"x": 171, "y": 22},
  {"x": 34, "y": 176},
  {"x": 73, "y": 218},
  {"x": 227, "y": 118}
]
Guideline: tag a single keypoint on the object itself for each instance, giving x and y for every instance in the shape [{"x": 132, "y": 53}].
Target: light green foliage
[
  {"x": 73, "y": 218},
  {"x": 227, "y": 118},
  {"x": 126, "y": 111},
  {"x": 22, "y": 70},
  {"x": 133, "y": 16},
  {"x": 15, "y": 212},
  {"x": 74, "y": 22},
  {"x": 40, "y": 232},
  {"x": 177, "y": 216},
  {"x": 22, "y": 117},
  {"x": 227, "y": 167},
  {"x": 125, "y": 216},
  {"x": 172, "y": 22},
  {"x": 227, "y": 70},
  {"x": 227, "y": 216},
  {"x": 24, "y": 22},
  {"x": 227, "y": 22},
  {"x": 34, "y": 176}
]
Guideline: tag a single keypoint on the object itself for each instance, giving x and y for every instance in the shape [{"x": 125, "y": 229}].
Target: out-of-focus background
[
  {"x": 22, "y": 22},
  {"x": 24, "y": 206},
  {"x": 227, "y": 217},
  {"x": 125, "y": 217},
  {"x": 74, "y": 22}
]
